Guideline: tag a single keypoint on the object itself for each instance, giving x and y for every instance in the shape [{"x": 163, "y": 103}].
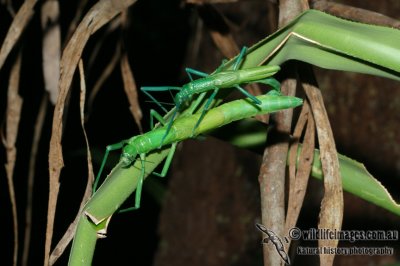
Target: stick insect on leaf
[{"x": 219, "y": 80}]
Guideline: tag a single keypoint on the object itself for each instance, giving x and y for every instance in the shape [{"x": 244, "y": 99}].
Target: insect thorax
[{"x": 184, "y": 95}]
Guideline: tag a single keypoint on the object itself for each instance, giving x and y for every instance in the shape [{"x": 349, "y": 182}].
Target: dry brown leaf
[
  {"x": 77, "y": 18},
  {"x": 331, "y": 214},
  {"x": 90, "y": 178},
  {"x": 18, "y": 25},
  {"x": 110, "y": 28},
  {"x": 14, "y": 106},
  {"x": 51, "y": 48},
  {"x": 299, "y": 180},
  {"x": 102, "y": 78},
  {"x": 101, "y": 13},
  {"x": 32, "y": 169},
  {"x": 225, "y": 43},
  {"x": 215, "y": 21},
  {"x": 131, "y": 90},
  {"x": 107, "y": 71},
  {"x": 69, "y": 234},
  {"x": 356, "y": 14}
]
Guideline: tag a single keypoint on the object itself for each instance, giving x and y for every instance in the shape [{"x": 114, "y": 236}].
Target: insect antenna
[
  {"x": 172, "y": 96},
  {"x": 164, "y": 105},
  {"x": 167, "y": 103}
]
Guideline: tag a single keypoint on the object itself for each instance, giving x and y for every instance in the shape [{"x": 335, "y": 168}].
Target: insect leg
[
  {"x": 170, "y": 124},
  {"x": 239, "y": 59},
  {"x": 252, "y": 97},
  {"x": 168, "y": 161},
  {"x": 139, "y": 186},
  {"x": 164, "y": 88},
  {"x": 156, "y": 115},
  {"x": 196, "y": 104},
  {"x": 191, "y": 71},
  {"x": 109, "y": 148},
  {"x": 236, "y": 65},
  {"x": 273, "y": 83},
  {"x": 205, "y": 109}
]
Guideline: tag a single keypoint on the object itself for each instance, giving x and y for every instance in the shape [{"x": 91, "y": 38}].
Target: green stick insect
[
  {"x": 219, "y": 80},
  {"x": 182, "y": 129}
]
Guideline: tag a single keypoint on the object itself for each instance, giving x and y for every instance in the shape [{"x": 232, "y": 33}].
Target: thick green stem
[
  {"x": 108, "y": 198},
  {"x": 84, "y": 242}
]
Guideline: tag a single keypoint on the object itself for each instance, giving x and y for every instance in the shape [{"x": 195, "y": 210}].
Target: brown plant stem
[
  {"x": 272, "y": 172},
  {"x": 355, "y": 13}
]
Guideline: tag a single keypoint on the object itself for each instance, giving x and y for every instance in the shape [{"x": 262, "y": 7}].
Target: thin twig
[{"x": 31, "y": 176}]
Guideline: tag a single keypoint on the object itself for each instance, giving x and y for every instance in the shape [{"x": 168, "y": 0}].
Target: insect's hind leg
[
  {"x": 168, "y": 161},
  {"x": 170, "y": 124},
  {"x": 251, "y": 96},
  {"x": 159, "y": 118},
  {"x": 205, "y": 109},
  {"x": 273, "y": 83},
  {"x": 109, "y": 148}
]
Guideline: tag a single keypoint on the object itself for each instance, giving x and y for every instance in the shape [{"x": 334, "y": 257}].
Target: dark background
[{"x": 212, "y": 199}]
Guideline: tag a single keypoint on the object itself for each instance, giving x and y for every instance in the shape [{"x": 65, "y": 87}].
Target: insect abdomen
[
  {"x": 270, "y": 104},
  {"x": 257, "y": 73}
]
